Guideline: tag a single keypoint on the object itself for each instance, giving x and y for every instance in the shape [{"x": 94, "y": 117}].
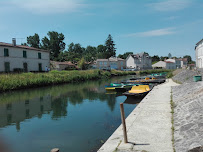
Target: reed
[{"x": 29, "y": 80}]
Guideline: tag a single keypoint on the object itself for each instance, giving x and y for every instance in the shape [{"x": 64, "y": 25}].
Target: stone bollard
[{"x": 55, "y": 150}]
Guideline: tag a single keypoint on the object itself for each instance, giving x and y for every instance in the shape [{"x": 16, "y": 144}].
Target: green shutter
[
  {"x": 7, "y": 66},
  {"x": 39, "y": 56},
  {"x": 6, "y": 53},
  {"x": 25, "y": 54}
]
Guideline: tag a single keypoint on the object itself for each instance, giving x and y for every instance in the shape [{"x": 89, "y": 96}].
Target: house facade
[
  {"x": 199, "y": 54},
  {"x": 111, "y": 63},
  {"x": 170, "y": 64},
  {"x": 139, "y": 61},
  {"x": 63, "y": 65},
  {"x": 13, "y": 57}
]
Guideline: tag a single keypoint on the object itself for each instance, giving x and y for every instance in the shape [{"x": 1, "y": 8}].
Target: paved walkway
[{"x": 148, "y": 126}]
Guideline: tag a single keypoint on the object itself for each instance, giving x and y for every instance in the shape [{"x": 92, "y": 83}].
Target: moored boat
[{"x": 140, "y": 90}]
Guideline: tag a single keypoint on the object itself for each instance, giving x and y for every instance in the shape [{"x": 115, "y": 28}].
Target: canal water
[{"x": 72, "y": 117}]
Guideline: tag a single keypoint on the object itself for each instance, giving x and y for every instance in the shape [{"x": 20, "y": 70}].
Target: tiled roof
[
  {"x": 102, "y": 59},
  {"x": 169, "y": 62},
  {"x": 183, "y": 59},
  {"x": 22, "y": 47},
  {"x": 63, "y": 63},
  {"x": 138, "y": 55}
]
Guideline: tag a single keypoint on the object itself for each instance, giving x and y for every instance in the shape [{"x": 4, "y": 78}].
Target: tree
[
  {"x": 162, "y": 58},
  {"x": 54, "y": 43},
  {"x": 25, "y": 44},
  {"x": 33, "y": 41},
  {"x": 125, "y": 55},
  {"x": 155, "y": 58},
  {"x": 90, "y": 53},
  {"x": 189, "y": 59},
  {"x": 169, "y": 56},
  {"x": 101, "y": 52},
  {"x": 82, "y": 64},
  {"x": 75, "y": 52},
  {"x": 110, "y": 49}
]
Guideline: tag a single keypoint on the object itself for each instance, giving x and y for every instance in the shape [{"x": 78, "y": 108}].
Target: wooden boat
[
  {"x": 146, "y": 80},
  {"x": 119, "y": 88},
  {"x": 140, "y": 90}
]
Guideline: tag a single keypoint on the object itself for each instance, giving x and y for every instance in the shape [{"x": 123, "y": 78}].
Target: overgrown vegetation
[
  {"x": 172, "y": 120},
  {"x": 28, "y": 80}
]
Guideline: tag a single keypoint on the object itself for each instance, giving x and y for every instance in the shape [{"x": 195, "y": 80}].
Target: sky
[{"x": 158, "y": 27}]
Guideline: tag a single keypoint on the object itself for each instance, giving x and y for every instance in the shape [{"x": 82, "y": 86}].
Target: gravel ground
[{"x": 188, "y": 113}]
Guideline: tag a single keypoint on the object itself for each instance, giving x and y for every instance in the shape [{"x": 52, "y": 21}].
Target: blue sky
[{"x": 158, "y": 27}]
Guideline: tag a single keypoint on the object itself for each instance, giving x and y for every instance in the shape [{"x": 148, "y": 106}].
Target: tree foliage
[
  {"x": 155, "y": 58},
  {"x": 54, "y": 43},
  {"x": 82, "y": 64},
  {"x": 110, "y": 47},
  {"x": 125, "y": 55},
  {"x": 189, "y": 59},
  {"x": 33, "y": 41}
]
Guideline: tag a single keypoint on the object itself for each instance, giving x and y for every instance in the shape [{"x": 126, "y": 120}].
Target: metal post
[{"x": 123, "y": 122}]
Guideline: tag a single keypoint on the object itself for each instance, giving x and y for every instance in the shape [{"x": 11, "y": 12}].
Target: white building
[
  {"x": 111, "y": 63},
  {"x": 139, "y": 61},
  {"x": 18, "y": 57},
  {"x": 170, "y": 64},
  {"x": 199, "y": 54}
]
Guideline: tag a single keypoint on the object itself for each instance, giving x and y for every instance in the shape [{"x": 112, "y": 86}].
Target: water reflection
[{"x": 18, "y": 106}]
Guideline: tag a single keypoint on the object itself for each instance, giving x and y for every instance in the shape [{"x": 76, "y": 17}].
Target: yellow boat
[{"x": 139, "y": 90}]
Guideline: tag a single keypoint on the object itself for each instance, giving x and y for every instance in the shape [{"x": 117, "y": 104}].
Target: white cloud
[
  {"x": 49, "y": 6},
  {"x": 170, "y": 5},
  {"x": 152, "y": 33}
]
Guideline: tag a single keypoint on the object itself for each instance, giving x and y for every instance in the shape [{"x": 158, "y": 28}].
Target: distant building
[
  {"x": 183, "y": 62},
  {"x": 199, "y": 54},
  {"x": 14, "y": 57},
  {"x": 62, "y": 65},
  {"x": 171, "y": 64},
  {"x": 111, "y": 63},
  {"x": 139, "y": 61},
  {"x": 159, "y": 65}
]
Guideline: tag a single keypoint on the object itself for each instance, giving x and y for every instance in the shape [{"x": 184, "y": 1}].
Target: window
[
  {"x": 6, "y": 52},
  {"x": 100, "y": 62},
  {"x": 7, "y": 66},
  {"x": 39, "y": 55},
  {"x": 25, "y": 54}
]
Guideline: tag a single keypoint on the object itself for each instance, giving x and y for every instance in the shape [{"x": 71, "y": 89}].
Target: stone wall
[
  {"x": 185, "y": 76},
  {"x": 188, "y": 114}
]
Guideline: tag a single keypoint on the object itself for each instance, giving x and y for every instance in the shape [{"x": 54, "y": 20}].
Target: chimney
[{"x": 14, "y": 41}]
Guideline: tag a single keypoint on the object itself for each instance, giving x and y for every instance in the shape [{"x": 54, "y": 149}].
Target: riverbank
[
  {"x": 148, "y": 126},
  {"x": 188, "y": 107},
  {"x": 28, "y": 80},
  {"x": 10, "y": 82}
]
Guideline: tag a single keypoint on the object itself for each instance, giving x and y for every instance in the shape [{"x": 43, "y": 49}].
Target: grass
[
  {"x": 172, "y": 121},
  {"x": 28, "y": 80}
]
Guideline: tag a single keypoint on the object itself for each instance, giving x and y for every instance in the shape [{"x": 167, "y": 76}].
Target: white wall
[
  {"x": 16, "y": 59},
  {"x": 142, "y": 63},
  {"x": 130, "y": 63},
  {"x": 199, "y": 55}
]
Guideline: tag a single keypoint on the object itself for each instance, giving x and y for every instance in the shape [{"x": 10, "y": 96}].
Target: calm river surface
[{"x": 72, "y": 117}]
